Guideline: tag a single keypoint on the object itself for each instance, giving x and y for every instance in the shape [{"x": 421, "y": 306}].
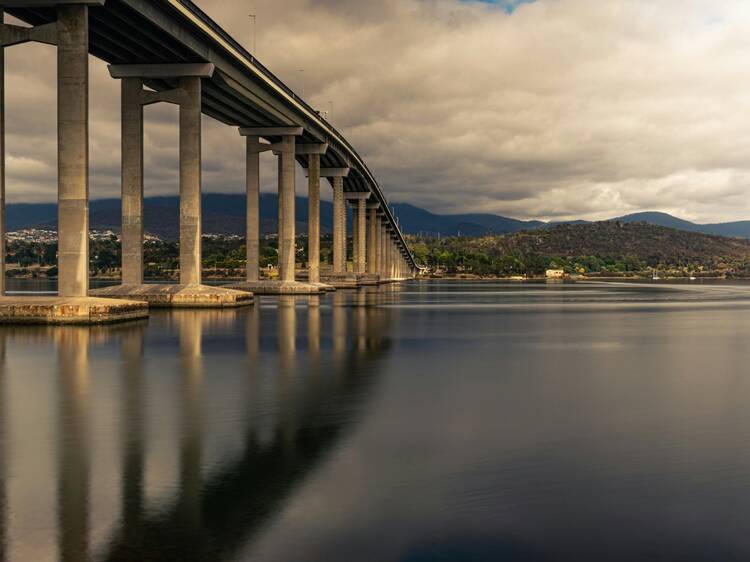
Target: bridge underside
[
  {"x": 146, "y": 32},
  {"x": 179, "y": 55}
]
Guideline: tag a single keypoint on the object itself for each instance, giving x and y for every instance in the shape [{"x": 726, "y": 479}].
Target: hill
[
  {"x": 659, "y": 219},
  {"x": 615, "y": 239},
  {"x": 600, "y": 247},
  {"x": 739, "y": 229}
]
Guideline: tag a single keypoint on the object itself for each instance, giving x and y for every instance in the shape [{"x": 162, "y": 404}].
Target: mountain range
[
  {"x": 225, "y": 214},
  {"x": 415, "y": 220}
]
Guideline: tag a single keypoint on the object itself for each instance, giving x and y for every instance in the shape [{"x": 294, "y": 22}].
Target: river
[{"x": 427, "y": 421}]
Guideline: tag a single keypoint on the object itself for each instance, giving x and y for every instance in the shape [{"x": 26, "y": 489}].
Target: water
[{"x": 428, "y": 422}]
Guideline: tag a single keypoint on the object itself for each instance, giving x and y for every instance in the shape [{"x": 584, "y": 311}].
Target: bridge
[{"x": 169, "y": 51}]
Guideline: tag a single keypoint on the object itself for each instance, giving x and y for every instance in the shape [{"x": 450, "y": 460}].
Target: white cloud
[{"x": 567, "y": 108}]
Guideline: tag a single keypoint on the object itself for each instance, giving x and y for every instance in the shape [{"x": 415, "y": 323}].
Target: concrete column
[
  {"x": 132, "y": 181},
  {"x": 252, "y": 187},
  {"x": 73, "y": 149},
  {"x": 396, "y": 258},
  {"x": 287, "y": 253},
  {"x": 386, "y": 244},
  {"x": 313, "y": 219},
  {"x": 355, "y": 236},
  {"x": 373, "y": 236},
  {"x": 190, "y": 181},
  {"x": 391, "y": 259},
  {"x": 380, "y": 246},
  {"x": 387, "y": 256},
  {"x": 2, "y": 165},
  {"x": 339, "y": 226},
  {"x": 361, "y": 236},
  {"x": 382, "y": 249}
]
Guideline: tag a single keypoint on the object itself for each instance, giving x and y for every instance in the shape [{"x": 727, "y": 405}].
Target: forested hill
[
  {"x": 592, "y": 247},
  {"x": 616, "y": 239}
]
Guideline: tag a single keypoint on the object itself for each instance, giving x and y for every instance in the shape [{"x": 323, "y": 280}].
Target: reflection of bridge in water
[{"x": 326, "y": 356}]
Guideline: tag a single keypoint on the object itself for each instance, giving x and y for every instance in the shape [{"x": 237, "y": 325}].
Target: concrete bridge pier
[
  {"x": 313, "y": 219},
  {"x": 313, "y": 153},
  {"x": 359, "y": 203},
  {"x": 70, "y": 34},
  {"x": 252, "y": 189},
  {"x": 373, "y": 242},
  {"x": 285, "y": 149},
  {"x": 385, "y": 272},
  {"x": 382, "y": 242},
  {"x": 190, "y": 292},
  {"x": 339, "y": 277},
  {"x": 392, "y": 259},
  {"x": 339, "y": 226},
  {"x": 355, "y": 233}
]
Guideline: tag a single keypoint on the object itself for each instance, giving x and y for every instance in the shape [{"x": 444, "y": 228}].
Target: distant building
[{"x": 555, "y": 274}]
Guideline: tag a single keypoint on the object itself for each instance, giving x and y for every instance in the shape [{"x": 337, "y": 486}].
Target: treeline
[
  {"x": 607, "y": 248},
  {"x": 224, "y": 256}
]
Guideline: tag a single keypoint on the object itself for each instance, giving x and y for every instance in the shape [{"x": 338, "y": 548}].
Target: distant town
[{"x": 593, "y": 250}]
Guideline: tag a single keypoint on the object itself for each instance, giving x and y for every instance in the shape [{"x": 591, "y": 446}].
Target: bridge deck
[{"x": 242, "y": 92}]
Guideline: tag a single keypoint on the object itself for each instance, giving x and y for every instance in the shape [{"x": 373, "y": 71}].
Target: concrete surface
[
  {"x": 69, "y": 310},
  {"x": 177, "y": 296}
]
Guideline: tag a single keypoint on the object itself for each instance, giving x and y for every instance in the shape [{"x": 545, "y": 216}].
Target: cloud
[{"x": 554, "y": 109}]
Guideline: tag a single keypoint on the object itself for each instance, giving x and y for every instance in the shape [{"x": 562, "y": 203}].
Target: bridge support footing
[
  {"x": 275, "y": 287},
  {"x": 69, "y": 310},
  {"x": 350, "y": 280},
  {"x": 177, "y": 296}
]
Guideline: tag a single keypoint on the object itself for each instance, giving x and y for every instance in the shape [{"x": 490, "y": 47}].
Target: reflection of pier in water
[
  {"x": 216, "y": 515},
  {"x": 73, "y": 444},
  {"x": 318, "y": 360},
  {"x": 3, "y": 455}
]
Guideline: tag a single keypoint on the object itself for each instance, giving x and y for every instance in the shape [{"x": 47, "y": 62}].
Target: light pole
[
  {"x": 255, "y": 29},
  {"x": 302, "y": 74}
]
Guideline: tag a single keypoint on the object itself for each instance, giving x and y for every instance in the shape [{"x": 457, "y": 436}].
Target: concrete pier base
[
  {"x": 304, "y": 277},
  {"x": 69, "y": 310},
  {"x": 340, "y": 280},
  {"x": 177, "y": 296},
  {"x": 350, "y": 280},
  {"x": 368, "y": 279},
  {"x": 275, "y": 287}
]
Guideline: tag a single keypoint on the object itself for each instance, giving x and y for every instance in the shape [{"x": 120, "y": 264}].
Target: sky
[{"x": 551, "y": 109}]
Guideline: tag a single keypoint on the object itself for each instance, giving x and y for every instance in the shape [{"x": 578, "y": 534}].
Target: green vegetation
[
  {"x": 223, "y": 256},
  {"x": 597, "y": 249},
  {"x": 604, "y": 249}
]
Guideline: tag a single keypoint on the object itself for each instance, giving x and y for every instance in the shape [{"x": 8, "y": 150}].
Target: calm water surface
[{"x": 439, "y": 421}]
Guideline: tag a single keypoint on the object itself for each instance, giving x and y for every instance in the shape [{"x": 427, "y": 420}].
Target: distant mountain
[
  {"x": 222, "y": 214},
  {"x": 739, "y": 229},
  {"x": 659, "y": 219},
  {"x": 225, "y": 214},
  {"x": 414, "y": 220}
]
